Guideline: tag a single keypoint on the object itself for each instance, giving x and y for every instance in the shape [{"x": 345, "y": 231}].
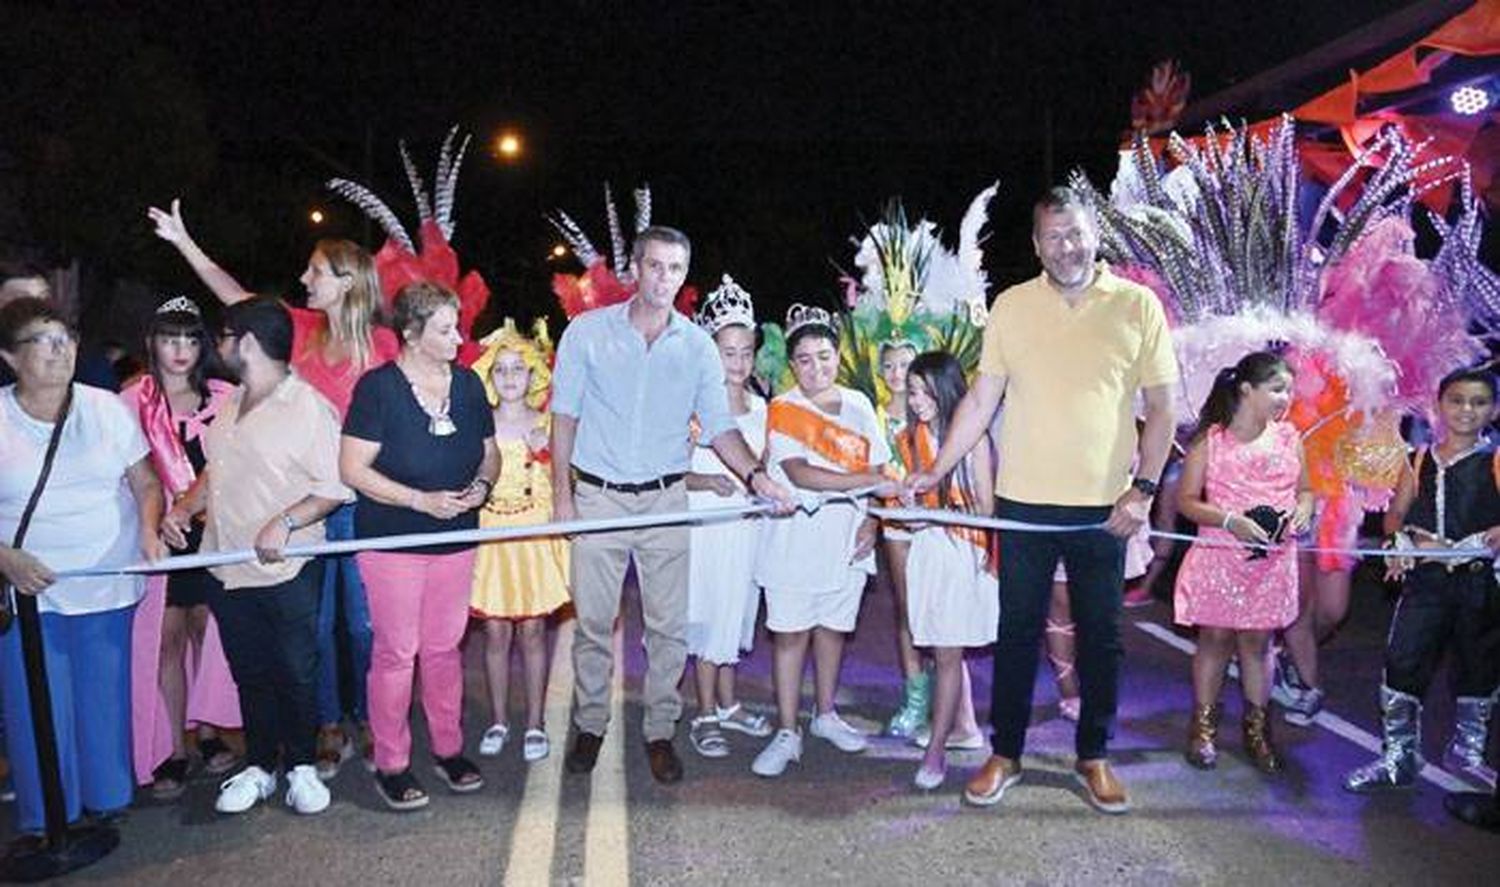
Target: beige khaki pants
[{"x": 661, "y": 565}]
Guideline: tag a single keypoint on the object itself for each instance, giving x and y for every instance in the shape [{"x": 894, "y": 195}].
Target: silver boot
[
  {"x": 1401, "y": 753},
  {"x": 1471, "y": 730}
]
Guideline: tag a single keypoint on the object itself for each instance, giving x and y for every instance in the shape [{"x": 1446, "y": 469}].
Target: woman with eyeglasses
[
  {"x": 101, "y": 504},
  {"x": 337, "y": 338},
  {"x": 179, "y": 674}
]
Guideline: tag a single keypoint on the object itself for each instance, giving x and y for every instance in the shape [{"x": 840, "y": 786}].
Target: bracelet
[
  {"x": 289, "y": 522},
  {"x": 489, "y": 485},
  {"x": 1228, "y": 516},
  {"x": 750, "y": 475}
]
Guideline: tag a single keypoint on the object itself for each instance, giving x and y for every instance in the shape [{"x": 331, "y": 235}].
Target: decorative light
[{"x": 1469, "y": 100}]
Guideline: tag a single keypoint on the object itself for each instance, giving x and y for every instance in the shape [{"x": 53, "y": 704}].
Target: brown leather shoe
[
  {"x": 584, "y": 753},
  {"x": 989, "y": 784},
  {"x": 1102, "y": 787},
  {"x": 665, "y": 765}
]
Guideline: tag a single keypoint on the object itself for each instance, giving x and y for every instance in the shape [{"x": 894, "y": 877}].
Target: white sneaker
[
  {"x": 972, "y": 742},
  {"x": 305, "y": 792},
  {"x": 833, "y": 728},
  {"x": 784, "y": 747},
  {"x": 535, "y": 746},
  {"x": 494, "y": 740},
  {"x": 245, "y": 789}
]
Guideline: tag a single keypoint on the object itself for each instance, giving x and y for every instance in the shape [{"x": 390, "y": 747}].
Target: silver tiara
[
  {"x": 729, "y": 305},
  {"x": 800, "y": 315},
  {"x": 179, "y": 305}
]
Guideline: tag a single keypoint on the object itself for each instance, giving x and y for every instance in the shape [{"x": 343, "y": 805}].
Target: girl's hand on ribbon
[
  {"x": 174, "y": 527},
  {"x": 1246, "y": 530},
  {"x": 1302, "y": 517}
]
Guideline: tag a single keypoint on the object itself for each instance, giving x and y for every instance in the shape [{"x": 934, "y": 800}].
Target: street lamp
[
  {"x": 508, "y": 145},
  {"x": 316, "y": 217},
  {"x": 558, "y": 251}
]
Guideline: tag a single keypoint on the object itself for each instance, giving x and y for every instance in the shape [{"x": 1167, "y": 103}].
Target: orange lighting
[{"x": 508, "y": 145}]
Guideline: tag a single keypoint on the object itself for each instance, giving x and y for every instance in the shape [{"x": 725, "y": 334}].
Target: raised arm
[{"x": 171, "y": 228}]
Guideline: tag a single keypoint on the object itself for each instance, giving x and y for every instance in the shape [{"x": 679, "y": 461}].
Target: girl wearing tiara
[
  {"x": 1244, "y": 480},
  {"x": 518, "y": 584},
  {"x": 723, "y": 598},
  {"x": 823, "y": 438},
  {"x": 178, "y": 671}
]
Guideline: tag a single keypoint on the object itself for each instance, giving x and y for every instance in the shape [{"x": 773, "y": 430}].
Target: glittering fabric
[{"x": 1218, "y": 586}]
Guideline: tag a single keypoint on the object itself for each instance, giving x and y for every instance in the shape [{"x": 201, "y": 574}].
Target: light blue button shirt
[{"x": 634, "y": 403}]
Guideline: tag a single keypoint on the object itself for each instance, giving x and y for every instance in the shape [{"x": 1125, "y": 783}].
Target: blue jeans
[
  {"x": 341, "y": 575},
  {"x": 1095, "y": 562},
  {"x": 88, "y": 675}
]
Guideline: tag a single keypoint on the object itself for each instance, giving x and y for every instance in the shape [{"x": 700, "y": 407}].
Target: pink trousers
[{"x": 419, "y": 606}]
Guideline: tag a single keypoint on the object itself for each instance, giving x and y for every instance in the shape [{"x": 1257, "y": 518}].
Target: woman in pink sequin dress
[{"x": 1243, "y": 481}]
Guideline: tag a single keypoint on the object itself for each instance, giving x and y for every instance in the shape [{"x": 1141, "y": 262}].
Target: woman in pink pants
[{"x": 419, "y": 448}]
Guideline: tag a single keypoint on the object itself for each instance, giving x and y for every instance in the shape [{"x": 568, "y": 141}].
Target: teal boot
[{"x": 912, "y": 718}]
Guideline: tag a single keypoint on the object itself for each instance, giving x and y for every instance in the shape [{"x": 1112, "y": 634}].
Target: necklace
[{"x": 439, "y": 424}]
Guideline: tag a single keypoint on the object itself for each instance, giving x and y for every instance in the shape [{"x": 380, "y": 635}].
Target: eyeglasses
[
  {"x": 54, "y": 341},
  {"x": 225, "y": 335}
]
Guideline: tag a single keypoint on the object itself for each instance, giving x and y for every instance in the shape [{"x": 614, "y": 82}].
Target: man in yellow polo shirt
[{"x": 1067, "y": 351}]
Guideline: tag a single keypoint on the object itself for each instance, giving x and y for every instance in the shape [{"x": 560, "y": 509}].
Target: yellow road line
[
  {"x": 533, "y": 844},
  {"x": 606, "y": 854}
]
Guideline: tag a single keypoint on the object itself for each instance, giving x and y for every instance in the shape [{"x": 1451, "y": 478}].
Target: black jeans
[
  {"x": 1095, "y": 561},
  {"x": 270, "y": 638},
  {"x": 1439, "y": 610}
]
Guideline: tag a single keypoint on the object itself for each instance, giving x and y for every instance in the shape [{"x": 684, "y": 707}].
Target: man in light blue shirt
[{"x": 628, "y": 381}]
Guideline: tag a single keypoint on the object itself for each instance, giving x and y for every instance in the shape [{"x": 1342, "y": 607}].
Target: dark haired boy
[{"x": 1449, "y": 497}]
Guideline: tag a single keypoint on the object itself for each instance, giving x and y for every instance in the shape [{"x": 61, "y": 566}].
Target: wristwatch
[
  {"x": 1145, "y": 485},
  {"x": 750, "y": 476},
  {"x": 289, "y": 522}
]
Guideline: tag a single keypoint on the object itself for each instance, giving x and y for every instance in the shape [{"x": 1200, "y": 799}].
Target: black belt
[{"x": 647, "y": 486}]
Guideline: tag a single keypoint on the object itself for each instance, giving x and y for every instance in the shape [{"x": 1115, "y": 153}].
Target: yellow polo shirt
[{"x": 1068, "y": 434}]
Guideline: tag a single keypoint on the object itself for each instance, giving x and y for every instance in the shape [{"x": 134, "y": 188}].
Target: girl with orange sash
[
  {"x": 820, "y": 437},
  {"x": 952, "y": 594}
]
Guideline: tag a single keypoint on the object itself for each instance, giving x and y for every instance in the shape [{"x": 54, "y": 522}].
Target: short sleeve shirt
[
  {"x": 334, "y": 381},
  {"x": 1072, "y": 373},
  {"x": 384, "y": 410},
  {"x": 87, "y": 515}
]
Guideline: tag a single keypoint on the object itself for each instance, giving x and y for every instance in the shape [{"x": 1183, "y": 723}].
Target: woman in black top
[{"x": 419, "y": 449}]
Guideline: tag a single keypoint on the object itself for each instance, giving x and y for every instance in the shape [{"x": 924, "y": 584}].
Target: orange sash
[
  {"x": 847, "y": 449},
  {"x": 922, "y": 460}
]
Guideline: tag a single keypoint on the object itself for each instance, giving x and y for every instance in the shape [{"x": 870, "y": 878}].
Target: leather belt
[{"x": 648, "y": 486}]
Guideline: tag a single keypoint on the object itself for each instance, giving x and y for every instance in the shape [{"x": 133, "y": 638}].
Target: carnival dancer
[
  {"x": 952, "y": 601},
  {"x": 629, "y": 379},
  {"x": 519, "y": 584},
  {"x": 723, "y": 599},
  {"x": 267, "y": 489},
  {"x": 1069, "y": 351},
  {"x": 1243, "y": 479},
  {"x": 337, "y": 338},
  {"x": 419, "y": 448},
  {"x": 824, "y": 438},
  {"x": 175, "y": 401},
  {"x": 1448, "y": 498}
]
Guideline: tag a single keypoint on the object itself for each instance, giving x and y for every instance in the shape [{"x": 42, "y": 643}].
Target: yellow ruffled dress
[{"x": 527, "y": 577}]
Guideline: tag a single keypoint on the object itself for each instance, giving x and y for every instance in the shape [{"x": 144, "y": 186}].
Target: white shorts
[{"x": 835, "y": 610}]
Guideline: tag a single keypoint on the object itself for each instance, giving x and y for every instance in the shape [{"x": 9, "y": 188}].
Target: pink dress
[{"x": 1221, "y": 587}]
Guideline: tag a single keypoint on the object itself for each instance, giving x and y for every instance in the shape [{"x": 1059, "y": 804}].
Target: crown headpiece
[
  {"x": 729, "y": 305},
  {"x": 800, "y": 315},
  {"x": 179, "y": 305}
]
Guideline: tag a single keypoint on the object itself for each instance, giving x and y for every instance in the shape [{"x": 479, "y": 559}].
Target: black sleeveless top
[{"x": 1471, "y": 501}]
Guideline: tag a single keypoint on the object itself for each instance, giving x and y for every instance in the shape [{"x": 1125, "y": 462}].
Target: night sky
[{"x": 770, "y": 133}]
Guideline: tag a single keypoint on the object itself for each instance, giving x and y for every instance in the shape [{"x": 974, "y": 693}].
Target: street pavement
[{"x": 856, "y": 819}]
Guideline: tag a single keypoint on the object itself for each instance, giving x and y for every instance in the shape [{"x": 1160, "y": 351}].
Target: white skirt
[
  {"x": 723, "y": 599},
  {"x": 951, "y": 600}
]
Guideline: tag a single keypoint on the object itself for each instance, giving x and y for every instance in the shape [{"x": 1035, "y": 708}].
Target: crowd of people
[{"x": 341, "y": 425}]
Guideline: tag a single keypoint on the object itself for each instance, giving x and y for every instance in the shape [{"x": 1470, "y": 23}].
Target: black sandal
[
  {"x": 218, "y": 757},
  {"x": 459, "y": 774},
  {"x": 401, "y": 791},
  {"x": 169, "y": 781}
]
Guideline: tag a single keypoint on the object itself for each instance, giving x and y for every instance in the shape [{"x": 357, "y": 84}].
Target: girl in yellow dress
[{"x": 517, "y": 585}]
